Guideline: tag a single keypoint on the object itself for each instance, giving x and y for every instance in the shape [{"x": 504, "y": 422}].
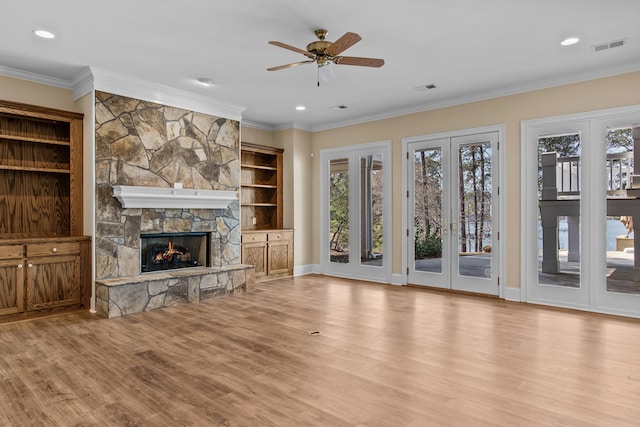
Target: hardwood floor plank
[{"x": 385, "y": 356}]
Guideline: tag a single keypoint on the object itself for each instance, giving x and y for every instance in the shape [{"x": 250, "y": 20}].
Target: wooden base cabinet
[
  {"x": 11, "y": 280},
  {"x": 270, "y": 251},
  {"x": 53, "y": 280},
  {"x": 44, "y": 275}
]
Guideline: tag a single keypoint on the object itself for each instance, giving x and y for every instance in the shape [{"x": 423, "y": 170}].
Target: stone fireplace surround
[{"x": 143, "y": 144}]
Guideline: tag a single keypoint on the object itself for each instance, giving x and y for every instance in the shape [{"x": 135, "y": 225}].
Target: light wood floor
[{"x": 385, "y": 356}]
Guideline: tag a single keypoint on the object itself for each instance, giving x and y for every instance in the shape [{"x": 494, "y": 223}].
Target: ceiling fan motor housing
[{"x": 318, "y": 47}]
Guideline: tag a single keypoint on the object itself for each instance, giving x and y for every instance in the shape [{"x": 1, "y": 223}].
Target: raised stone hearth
[{"x": 128, "y": 295}]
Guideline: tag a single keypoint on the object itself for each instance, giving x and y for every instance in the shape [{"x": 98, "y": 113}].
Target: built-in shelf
[
  {"x": 266, "y": 205},
  {"x": 266, "y": 168},
  {"x": 172, "y": 198},
  {"x": 260, "y": 186},
  {"x": 31, "y": 139},
  {"x": 29, "y": 169}
]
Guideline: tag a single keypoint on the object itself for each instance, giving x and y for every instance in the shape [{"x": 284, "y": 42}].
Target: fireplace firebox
[{"x": 170, "y": 251}]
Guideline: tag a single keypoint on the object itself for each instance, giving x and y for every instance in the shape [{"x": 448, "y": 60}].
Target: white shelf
[{"x": 172, "y": 198}]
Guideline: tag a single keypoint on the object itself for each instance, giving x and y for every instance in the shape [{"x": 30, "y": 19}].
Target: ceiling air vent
[{"x": 608, "y": 45}]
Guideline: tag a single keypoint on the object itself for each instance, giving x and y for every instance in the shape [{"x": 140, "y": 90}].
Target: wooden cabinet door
[
  {"x": 255, "y": 254},
  {"x": 11, "y": 286},
  {"x": 279, "y": 257},
  {"x": 53, "y": 282}
]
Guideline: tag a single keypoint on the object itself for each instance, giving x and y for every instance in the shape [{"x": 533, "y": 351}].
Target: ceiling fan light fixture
[{"x": 326, "y": 72}]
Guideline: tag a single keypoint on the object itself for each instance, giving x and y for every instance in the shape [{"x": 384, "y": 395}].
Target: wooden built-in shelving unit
[
  {"x": 265, "y": 244},
  {"x": 261, "y": 187},
  {"x": 44, "y": 259}
]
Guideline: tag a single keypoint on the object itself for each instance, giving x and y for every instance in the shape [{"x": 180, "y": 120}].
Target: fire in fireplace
[{"x": 172, "y": 251}]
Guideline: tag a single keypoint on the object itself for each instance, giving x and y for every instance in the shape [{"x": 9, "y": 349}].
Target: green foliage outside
[{"x": 428, "y": 243}]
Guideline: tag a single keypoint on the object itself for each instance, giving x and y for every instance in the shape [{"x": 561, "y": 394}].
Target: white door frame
[
  {"x": 498, "y": 241},
  {"x": 354, "y": 269},
  {"x": 592, "y": 274}
]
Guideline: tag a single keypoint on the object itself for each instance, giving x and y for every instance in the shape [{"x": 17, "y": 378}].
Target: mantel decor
[{"x": 172, "y": 198}]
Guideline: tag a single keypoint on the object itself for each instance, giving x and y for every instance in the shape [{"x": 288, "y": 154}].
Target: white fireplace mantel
[{"x": 172, "y": 198}]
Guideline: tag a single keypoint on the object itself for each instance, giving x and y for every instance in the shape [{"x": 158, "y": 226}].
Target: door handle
[
  {"x": 445, "y": 226},
  {"x": 454, "y": 227}
]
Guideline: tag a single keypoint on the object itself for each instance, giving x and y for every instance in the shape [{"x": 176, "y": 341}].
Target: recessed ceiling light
[
  {"x": 569, "y": 41},
  {"x": 205, "y": 82},
  {"x": 301, "y": 107},
  {"x": 44, "y": 34}
]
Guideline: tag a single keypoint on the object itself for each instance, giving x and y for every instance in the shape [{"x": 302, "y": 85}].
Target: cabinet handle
[
  {"x": 30, "y": 265},
  {"x": 54, "y": 250},
  {"x": 19, "y": 265}
]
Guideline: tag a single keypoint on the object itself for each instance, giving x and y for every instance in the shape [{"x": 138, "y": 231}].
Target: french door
[
  {"x": 581, "y": 211},
  {"x": 356, "y": 212},
  {"x": 453, "y": 212}
]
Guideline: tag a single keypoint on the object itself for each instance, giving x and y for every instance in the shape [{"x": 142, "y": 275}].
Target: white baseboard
[
  {"x": 397, "y": 279},
  {"x": 303, "y": 270},
  {"x": 513, "y": 294}
]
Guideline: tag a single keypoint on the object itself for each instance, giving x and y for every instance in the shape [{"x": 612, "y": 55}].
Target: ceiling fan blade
[
  {"x": 356, "y": 60},
  {"x": 295, "y": 49},
  {"x": 343, "y": 43},
  {"x": 282, "y": 67}
]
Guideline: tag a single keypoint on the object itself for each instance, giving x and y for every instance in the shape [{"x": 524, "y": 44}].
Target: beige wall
[
  {"x": 302, "y": 196},
  {"x": 592, "y": 95},
  {"x": 27, "y": 92},
  {"x": 256, "y": 136}
]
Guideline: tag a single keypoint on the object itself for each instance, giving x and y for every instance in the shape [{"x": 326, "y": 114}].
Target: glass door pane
[
  {"x": 620, "y": 236},
  {"x": 371, "y": 210},
  {"x": 339, "y": 211},
  {"x": 474, "y": 223},
  {"x": 559, "y": 170},
  {"x": 428, "y": 208}
]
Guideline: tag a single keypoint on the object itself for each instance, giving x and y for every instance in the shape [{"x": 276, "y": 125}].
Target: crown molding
[
  {"x": 275, "y": 128},
  {"x": 486, "y": 95},
  {"x": 34, "y": 77},
  {"x": 98, "y": 79},
  {"x": 82, "y": 83},
  {"x": 257, "y": 125}
]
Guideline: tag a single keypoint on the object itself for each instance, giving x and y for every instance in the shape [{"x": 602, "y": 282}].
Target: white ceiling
[{"x": 470, "y": 49}]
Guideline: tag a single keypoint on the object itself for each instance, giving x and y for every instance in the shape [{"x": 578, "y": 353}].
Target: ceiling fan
[{"x": 324, "y": 52}]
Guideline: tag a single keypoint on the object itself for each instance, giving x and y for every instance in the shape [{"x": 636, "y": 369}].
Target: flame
[{"x": 168, "y": 254}]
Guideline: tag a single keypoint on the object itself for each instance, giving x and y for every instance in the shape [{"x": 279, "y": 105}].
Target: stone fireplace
[{"x": 176, "y": 163}]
